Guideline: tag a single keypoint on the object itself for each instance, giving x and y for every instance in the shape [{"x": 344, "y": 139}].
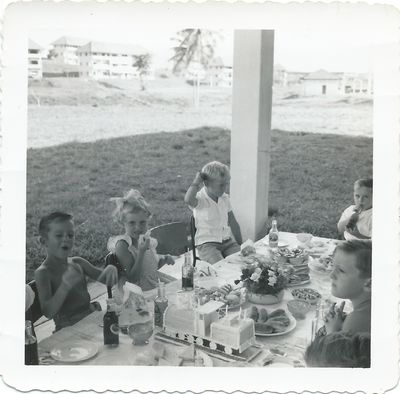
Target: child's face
[
  {"x": 60, "y": 239},
  {"x": 363, "y": 197},
  {"x": 135, "y": 223},
  {"x": 346, "y": 280},
  {"x": 216, "y": 187}
]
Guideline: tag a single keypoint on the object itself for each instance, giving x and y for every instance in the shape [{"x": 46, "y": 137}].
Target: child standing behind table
[
  {"x": 217, "y": 231},
  {"x": 135, "y": 249},
  {"x": 351, "y": 279},
  {"x": 60, "y": 279},
  {"x": 356, "y": 220}
]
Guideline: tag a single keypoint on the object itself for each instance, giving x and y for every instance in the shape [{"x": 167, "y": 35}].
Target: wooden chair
[
  {"x": 34, "y": 313},
  {"x": 171, "y": 237}
]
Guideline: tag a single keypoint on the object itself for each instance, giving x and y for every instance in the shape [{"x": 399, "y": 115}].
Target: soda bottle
[
  {"x": 160, "y": 304},
  {"x": 274, "y": 234},
  {"x": 31, "y": 350},
  {"x": 110, "y": 324},
  {"x": 187, "y": 272}
]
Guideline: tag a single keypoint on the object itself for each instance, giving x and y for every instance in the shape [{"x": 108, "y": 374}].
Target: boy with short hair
[
  {"x": 356, "y": 220},
  {"x": 60, "y": 279},
  {"x": 351, "y": 279},
  {"x": 217, "y": 230}
]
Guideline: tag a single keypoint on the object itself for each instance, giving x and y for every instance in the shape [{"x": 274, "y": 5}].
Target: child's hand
[
  {"x": 109, "y": 276},
  {"x": 198, "y": 179},
  {"x": 351, "y": 224},
  {"x": 168, "y": 259},
  {"x": 72, "y": 275},
  {"x": 335, "y": 318},
  {"x": 144, "y": 243}
]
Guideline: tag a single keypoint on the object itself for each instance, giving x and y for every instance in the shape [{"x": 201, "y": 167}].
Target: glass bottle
[
  {"x": 160, "y": 304},
  {"x": 110, "y": 324},
  {"x": 187, "y": 272},
  {"x": 274, "y": 234},
  {"x": 31, "y": 350}
]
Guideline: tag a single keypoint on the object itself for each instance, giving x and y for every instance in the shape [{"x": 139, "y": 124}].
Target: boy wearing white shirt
[
  {"x": 217, "y": 231},
  {"x": 356, "y": 220}
]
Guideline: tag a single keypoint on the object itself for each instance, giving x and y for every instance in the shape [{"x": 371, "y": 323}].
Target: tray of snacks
[
  {"x": 270, "y": 323},
  {"x": 228, "y": 294},
  {"x": 307, "y": 294},
  {"x": 295, "y": 256}
]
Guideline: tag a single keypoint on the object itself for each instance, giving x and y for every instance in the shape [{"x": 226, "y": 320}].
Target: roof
[
  {"x": 71, "y": 41},
  {"x": 33, "y": 45},
  {"x": 322, "y": 75},
  {"x": 108, "y": 47}
]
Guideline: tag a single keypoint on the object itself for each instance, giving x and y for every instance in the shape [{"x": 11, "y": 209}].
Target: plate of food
[
  {"x": 307, "y": 294},
  {"x": 228, "y": 294},
  {"x": 74, "y": 351},
  {"x": 298, "y": 280},
  {"x": 271, "y": 323}
]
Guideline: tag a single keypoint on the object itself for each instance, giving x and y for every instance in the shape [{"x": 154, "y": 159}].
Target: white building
[
  {"x": 219, "y": 74},
  {"x": 65, "y": 48},
  {"x": 107, "y": 60},
  {"x": 35, "y": 55},
  {"x": 322, "y": 82}
]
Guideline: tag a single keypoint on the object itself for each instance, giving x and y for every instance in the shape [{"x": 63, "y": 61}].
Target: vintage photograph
[
  {"x": 144, "y": 165},
  {"x": 201, "y": 196}
]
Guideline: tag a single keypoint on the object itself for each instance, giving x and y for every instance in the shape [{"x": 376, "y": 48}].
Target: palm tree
[
  {"x": 142, "y": 63},
  {"x": 194, "y": 46}
]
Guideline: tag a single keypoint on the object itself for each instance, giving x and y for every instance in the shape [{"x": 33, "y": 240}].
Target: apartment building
[
  {"x": 65, "y": 48},
  {"x": 108, "y": 60},
  {"x": 35, "y": 55}
]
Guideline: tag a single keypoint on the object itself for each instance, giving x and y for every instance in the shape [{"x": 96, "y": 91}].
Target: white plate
[
  {"x": 281, "y": 244},
  {"x": 75, "y": 351},
  {"x": 289, "y": 328}
]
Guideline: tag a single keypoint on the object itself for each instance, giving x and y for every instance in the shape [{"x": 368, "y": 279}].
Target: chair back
[
  {"x": 171, "y": 237},
  {"x": 34, "y": 313}
]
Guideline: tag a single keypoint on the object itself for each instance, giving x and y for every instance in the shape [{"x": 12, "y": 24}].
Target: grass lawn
[{"x": 311, "y": 181}]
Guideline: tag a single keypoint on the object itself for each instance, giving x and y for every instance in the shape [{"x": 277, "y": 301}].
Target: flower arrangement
[{"x": 264, "y": 276}]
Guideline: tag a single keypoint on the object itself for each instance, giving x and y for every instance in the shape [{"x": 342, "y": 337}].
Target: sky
[{"x": 307, "y": 51}]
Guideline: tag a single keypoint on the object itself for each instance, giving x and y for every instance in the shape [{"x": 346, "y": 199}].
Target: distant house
[
  {"x": 108, "y": 60},
  {"x": 356, "y": 83},
  {"x": 65, "y": 48},
  {"x": 219, "y": 74},
  {"x": 322, "y": 82},
  {"x": 35, "y": 55}
]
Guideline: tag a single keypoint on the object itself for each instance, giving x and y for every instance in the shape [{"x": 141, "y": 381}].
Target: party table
[{"x": 89, "y": 329}]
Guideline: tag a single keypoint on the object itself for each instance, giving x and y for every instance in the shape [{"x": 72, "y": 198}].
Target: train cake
[{"x": 230, "y": 334}]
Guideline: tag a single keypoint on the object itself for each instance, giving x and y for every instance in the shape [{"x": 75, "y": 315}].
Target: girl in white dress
[{"x": 135, "y": 250}]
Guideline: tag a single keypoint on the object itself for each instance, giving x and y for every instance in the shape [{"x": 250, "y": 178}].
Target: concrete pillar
[{"x": 253, "y": 61}]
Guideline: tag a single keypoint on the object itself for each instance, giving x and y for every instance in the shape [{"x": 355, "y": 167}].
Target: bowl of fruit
[{"x": 298, "y": 308}]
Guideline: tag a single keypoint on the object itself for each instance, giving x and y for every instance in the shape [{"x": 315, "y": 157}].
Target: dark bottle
[
  {"x": 31, "y": 350},
  {"x": 187, "y": 272},
  {"x": 160, "y": 304},
  {"x": 110, "y": 324}
]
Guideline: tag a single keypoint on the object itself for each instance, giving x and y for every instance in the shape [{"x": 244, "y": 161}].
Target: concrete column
[{"x": 253, "y": 61}]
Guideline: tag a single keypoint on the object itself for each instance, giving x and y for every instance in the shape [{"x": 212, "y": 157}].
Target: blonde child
[
  {"x": 60, "y": 279},
  {"x": 217, "y": 231},
  {"x": 351, "y": 279},
  {"x": 356, "y": 220},
  {"x": 135, "y": 249}
]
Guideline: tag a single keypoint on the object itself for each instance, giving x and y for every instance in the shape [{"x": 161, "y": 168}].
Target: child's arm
[
  {"x": 335, "y": 318},
  {"x": 190, "y": 196},
  {"x": 344, "y": 220},
  {"x": 108, "y": 275},
  {"x": 51, "y": 303},
  {"x": 234, "y": 225}
]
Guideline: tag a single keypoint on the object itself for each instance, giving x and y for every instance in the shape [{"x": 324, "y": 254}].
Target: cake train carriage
[{"x": 231, "y": 334}]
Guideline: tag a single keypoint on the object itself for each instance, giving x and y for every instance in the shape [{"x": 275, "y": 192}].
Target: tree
[
  {"x": 194, "y": 46},
  {"x": 142, "y": 63}
]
